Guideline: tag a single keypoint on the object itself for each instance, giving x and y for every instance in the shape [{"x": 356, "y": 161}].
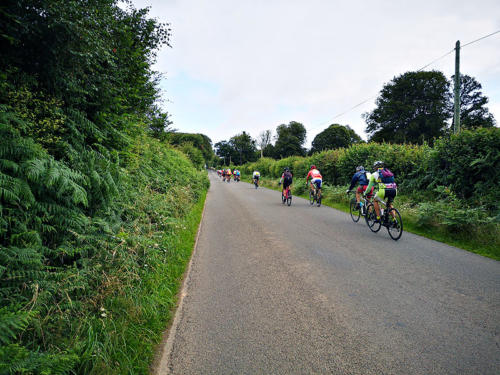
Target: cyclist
[
  {"x": 316, "y": 179},
  {"x": 286, "y": 179},
  {"x": 228, "y": 175},
  {"x": 362, "y": 177},
  {"x": 383, "y": 179},
  {"x": 256, "y": 177},
  {"x": 237, "y": 175},
  {"x": 223, "y": 175}
]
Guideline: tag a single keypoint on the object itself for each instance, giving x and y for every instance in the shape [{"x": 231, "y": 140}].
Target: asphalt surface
[{"x": 303, "y": 290}]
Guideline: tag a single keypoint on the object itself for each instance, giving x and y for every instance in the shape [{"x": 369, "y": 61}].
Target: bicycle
[
  {"x": 313, "y": 196},
  {"x": 389, "y": 218},
  {"x": 287, "y": 197},
  {"x": 256, "y": 182},
  {"x": 356, "y": 212}
]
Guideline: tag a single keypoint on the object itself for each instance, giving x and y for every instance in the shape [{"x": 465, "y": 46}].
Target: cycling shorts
[
  {"x": 388, "y": 194},
  {"x": 287, "y": 182},
  {"x": 317, "y": 181},
  {"x": 256, "y": 177},
  {"x": 362, "y": 189}
]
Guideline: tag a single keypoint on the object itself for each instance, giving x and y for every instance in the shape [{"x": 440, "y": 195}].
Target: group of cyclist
[
  {"x": 226, "y": 174},
  {"x": 381, "y": 180}
]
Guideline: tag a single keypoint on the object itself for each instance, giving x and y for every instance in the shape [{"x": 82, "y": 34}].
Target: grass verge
[
  {"x": 485, "y": 244},
  {"x": 137, "y": 316}
]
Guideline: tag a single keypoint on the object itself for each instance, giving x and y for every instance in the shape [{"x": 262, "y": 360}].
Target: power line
[
  {"x": 483, "y": 37},
  {"x": 422, "y": 68},
  {"x": 436, "y": 60}
]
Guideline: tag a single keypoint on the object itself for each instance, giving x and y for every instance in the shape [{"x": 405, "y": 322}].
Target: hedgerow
[
  {"x": 75, "y": 244},
  {"x": 92, "y": 208}
]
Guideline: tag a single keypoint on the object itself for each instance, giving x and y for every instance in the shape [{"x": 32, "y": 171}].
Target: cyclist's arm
[
  {"x": 355, "y": 179},
  {"x": 308, "y": 175},
  {"x": 370, "y": 184}
]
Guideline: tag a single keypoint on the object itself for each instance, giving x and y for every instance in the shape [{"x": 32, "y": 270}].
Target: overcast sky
[{"x": 241, "y": 65}]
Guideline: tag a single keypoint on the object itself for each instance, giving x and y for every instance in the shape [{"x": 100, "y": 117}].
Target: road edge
[{"x": 162, "y": 358}]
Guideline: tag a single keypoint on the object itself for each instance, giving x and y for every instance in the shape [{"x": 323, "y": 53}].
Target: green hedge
[{"x": 467, "y": 163}]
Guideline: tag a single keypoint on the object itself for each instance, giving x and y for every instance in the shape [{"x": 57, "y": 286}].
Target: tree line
[{"x": 414, "y": 107}]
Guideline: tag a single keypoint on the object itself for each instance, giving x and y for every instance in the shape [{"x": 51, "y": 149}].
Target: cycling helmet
[
  {"x": 313, "y": 166},
  {"x": 286, "y": 169},
  {"x": 360, "y": 168},
  {"x": 378, "y": 164}
]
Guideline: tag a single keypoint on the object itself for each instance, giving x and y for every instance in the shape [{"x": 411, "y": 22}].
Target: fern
[{"x": 12, "y": 322}]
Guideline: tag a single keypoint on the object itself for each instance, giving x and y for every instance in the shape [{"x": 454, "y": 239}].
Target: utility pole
[{"x": 457, "y": 88}]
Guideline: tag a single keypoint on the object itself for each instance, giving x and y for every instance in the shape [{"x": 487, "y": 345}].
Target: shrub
[{"x": 469, "y": 163}]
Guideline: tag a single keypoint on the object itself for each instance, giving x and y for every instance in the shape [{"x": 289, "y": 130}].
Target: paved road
[{"x": 304, "y": 290}]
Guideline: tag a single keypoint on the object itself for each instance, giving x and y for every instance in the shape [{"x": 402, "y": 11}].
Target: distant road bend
[{"x": 304, "y": 290}]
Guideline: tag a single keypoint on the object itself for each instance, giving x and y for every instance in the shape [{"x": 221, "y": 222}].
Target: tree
[
  {"x": 264, "y": 140},
  {"x": 200, "y": 141},
  {"x": 244, "y": 146},
  {"x": 159, "y": 123},
  {"x": 335, "y": 136},
  {"x": 473, "y": 113},
  {"x": 92, "y": 55},
  {"x": 413, "y": 107},
  {"x": 290, "y": 140},
  {"x": 225, "y": 149}
]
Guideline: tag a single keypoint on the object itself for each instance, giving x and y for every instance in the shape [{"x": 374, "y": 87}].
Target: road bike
[
  {"x": 389, "y": 218},
  {"x": 313, "y": 196},
  {"x": 287, "y": 197},
  {"x": 355, "y": 211}
]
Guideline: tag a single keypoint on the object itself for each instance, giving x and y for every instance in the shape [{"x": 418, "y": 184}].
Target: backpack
[
  {"x": 386, "y": 176},
  {"x": 363, "y": 179}
]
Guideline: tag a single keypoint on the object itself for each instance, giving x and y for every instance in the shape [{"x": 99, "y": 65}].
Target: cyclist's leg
[
  {"x": 358, "y": 195},
  {"x": 286, "y": 186},
  {"x": 318, "y": 185},
  {"x": 391, "y": 194},
  {"x": 378, "y": 197}
]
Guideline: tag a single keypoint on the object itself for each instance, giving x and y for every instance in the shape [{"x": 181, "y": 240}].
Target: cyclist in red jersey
[{"x": 316, "y": 179}]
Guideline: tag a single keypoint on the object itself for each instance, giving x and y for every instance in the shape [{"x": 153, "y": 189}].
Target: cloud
[{"x": 270, "y": 62}]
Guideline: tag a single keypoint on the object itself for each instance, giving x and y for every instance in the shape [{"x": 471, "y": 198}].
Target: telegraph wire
[{"x": 483, "y": 37}]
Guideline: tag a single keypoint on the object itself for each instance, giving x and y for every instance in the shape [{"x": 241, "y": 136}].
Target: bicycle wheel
[
  {"x": 395, "y": 224},
  {"x": 289, "y": 199},
  {"x": 312, "y": 198},
  {"x": 355, "y": 214},
  {"x": 370, "y": 218}
]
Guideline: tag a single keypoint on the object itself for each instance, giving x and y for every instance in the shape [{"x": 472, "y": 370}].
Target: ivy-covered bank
[{"x": 448, "y": 192}]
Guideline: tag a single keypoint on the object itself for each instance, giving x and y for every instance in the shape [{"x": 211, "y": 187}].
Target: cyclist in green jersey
[{"x": 383, "y": 180}]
